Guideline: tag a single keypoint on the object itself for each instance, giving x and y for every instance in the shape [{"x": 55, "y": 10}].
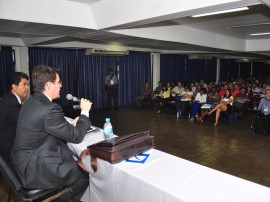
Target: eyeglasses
[{"x": 59, "y": 82}]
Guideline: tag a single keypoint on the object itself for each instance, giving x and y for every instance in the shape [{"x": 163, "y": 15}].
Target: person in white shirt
[{"x": 198, "y": 101}]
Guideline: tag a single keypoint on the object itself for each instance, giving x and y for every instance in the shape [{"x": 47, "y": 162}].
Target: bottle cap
[{"x": 107, "y": 119}]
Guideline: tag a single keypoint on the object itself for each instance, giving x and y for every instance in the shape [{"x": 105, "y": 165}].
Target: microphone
[{"x": 72, "y": 98}]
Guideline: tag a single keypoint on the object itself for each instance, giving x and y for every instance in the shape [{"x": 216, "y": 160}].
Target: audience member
[
  {"x": 186, "y": 98},
  {"x": 40, "y": 154},
  {"x": 163, "y": 96},
  {"x": 10, "y": 106},
  {"x": 224, "y": 105},
  {"x": 157, "y": 90},
  {"x": 178, "y": 90},
  {"x": 198, "y": 101},
  {"x": 212, "y": 99},
  {"x": 235, "y": 90},
  {"x": 264, "y": 105},
  {"x": 264, "y": 109},
  {"x": 241, "y": 100},
  {"x": 144, "y": 95}
]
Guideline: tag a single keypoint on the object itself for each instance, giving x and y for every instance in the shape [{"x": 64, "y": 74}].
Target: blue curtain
[
  {"x": 6, "y": 68},
  {"x": 173, "y": 68},
  {"x": 245, "y": 68},
  {"x": 261, "y": 69},
  {"x": 84, "y": 75},
  {"x": 134, "y": 72},
  {"x": 63, "y": 59},
  {"x": 211, "y": 70},
  {"x": 228, "y": 69}
]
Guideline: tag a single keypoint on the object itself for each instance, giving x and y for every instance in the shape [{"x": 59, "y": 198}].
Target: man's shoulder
[{"x": 9, "y": 98}]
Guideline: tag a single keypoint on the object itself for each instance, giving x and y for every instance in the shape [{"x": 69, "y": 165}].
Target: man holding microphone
[{"x": 40, "y": 154}]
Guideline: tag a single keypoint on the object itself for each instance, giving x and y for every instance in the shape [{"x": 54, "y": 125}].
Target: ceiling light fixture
[
  {"x": 220, "y": 12},
  {"x": 259, "y": 34}
]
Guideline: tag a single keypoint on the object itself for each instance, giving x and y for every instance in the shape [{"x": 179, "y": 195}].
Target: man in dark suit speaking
[
  {"x": 40, "y": 154},
  {"x": 10, "y": 106}
]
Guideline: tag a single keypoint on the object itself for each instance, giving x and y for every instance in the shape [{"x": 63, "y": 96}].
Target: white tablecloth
[{"x": 165, "y": 178}]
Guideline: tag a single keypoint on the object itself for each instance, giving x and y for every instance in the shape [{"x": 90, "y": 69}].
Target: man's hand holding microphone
[{"x": 85, "y": 106}]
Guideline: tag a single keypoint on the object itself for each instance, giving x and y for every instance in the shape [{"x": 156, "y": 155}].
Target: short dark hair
[
  {"x": 15, "y": 78},
  {"x": 203, "y": 90},
  {"x": 42, "y": 74}
]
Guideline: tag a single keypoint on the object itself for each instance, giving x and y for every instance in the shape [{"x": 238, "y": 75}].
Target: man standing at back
[
  {"x": 111, "y": 86},
  {"x": 40, "y": 154},
  {"x": 10, "y": 106}
]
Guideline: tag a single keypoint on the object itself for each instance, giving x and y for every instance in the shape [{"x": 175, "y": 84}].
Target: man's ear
[
  {"x": 14, "y": 87},
  {"x": 47, "y": 86}
]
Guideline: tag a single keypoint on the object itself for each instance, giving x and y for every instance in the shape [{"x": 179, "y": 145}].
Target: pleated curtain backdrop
[
  {"x": 84, "y": 75},
  {"x": 6, "y": 68},
  {"x": 175, "y": 67}
]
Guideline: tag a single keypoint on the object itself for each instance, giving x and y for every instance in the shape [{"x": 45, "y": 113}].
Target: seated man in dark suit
[
  {"x": 40, "y": 154},
  {"x": 10, "y": 106}
]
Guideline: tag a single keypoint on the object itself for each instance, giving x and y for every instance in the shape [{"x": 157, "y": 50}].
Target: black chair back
[{"x": 7, "y": 171}]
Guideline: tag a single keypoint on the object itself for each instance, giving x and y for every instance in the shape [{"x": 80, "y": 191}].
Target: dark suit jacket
[
  {"x": 40, "y": 154},
  {"x": 9, "y": 111}
]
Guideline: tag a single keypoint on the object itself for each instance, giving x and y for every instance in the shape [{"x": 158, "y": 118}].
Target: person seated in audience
[
  {"x": 193, "y": 87},
  {"x": 212, "y": 99},
  {"x": 263, "y": 88},
  {"x": 144, "y": 95},
  {"x": 198, "y": 89},
  {"x": 186, "y": 98},
  {"x": 235, "y": 90},
  {"x": 10, "y": 106},
  {"x": 241, "y": 100},
  {"x": 255, "y": 89},
  {"x": 157, "y": 90},
  {"x": 221, "y": 91},
  {"x": 163, "y": 96},
  {"x": 250, "y": 104},
  {"x": 225, "y": 104},
  {"x": 169, "y": 86},
  {"x": 203, "y": 84},
  {"x": 264, "y": 109},
  {"x": 198, "y": 101},
  {"x": 172, "y": 84},
  {"x": 178, "y": 90}
]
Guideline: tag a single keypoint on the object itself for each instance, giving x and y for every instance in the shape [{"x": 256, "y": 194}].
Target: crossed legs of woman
[{"x": 219, "y": 108}]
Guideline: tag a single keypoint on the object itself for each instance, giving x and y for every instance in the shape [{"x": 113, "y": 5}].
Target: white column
[
  {"x": 218, "y": 70},
  {"x": 155, "y": 69},
  {"x": 239, "y": 71},
  {"x": 251, "y": 68},
  {"x": 21, "y": 59}
]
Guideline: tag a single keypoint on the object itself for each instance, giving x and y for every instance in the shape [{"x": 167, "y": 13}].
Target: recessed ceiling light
[
  {"x": 220, "y": 12},
  {"x": 259, "y": 34}
]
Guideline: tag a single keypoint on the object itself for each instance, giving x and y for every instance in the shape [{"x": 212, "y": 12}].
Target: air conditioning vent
[
  {"x": 93, "y": 51},
  {"x": 195, "y": 57}
]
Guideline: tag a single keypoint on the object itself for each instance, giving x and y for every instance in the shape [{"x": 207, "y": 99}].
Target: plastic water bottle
[
  {"x": 108, "y": 129},
  {"x": 177, "y": 114}
]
